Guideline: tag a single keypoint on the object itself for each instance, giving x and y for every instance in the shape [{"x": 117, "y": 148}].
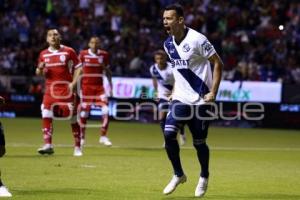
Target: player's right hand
[
  {"x": 41, "y": 69},
  {"x": 209, "y": 97},
  {"x": 41, "y": 65}
]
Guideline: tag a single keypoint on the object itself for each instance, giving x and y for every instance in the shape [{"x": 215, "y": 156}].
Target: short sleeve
[
  {"x": 73, "y": 57},
  {"x": 81, "y": 57},
  {"x": 151, "y": 71},
  {"x": 106, "y": 59},
  {"x": 206, "y": 48}
]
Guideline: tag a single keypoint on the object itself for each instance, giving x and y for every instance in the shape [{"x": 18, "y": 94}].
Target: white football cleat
[
  {"x": 77, "y": 151},
  {"x": 4, "y": 192},
  {"x": 104, "y": 140},
  {"x": 201, "y": 187},
  {"x": 175, "y": 181},
  {"x": 46, "y": 149}
]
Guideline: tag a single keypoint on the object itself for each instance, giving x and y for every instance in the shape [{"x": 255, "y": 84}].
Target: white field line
[{"x": 160, "y": 147}]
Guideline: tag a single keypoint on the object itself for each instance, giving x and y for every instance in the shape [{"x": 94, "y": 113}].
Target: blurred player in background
[
  {"x": 196, "y": 85},
  {"x": 3, "y": 190},
  {"x": 163, "y": 80},
  {"x": 61, "y": 68},
  {"x": 95, "y": 63}
]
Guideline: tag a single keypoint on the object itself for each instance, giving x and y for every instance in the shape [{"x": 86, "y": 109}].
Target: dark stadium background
[{"x": 257, "y": 40}]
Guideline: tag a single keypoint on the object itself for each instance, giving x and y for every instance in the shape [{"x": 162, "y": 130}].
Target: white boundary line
[{"x": 160, "y": 147}]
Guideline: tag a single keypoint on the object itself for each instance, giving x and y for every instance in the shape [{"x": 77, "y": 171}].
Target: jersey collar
[
  {"x": 186, "y": 30},
  {"x": 55, "y": 50},
  {"x": 91, "y": 53}
]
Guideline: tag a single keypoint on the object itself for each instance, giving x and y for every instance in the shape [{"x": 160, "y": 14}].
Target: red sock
[
  {"x": 82, "y": 127},
  {"x": 47, "y": 130},
  {"x": 76, "y": 133},
  {"x": 105, "y": 124}
]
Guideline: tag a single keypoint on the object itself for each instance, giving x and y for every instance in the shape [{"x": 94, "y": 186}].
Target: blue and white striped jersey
[
  {"x": 191, "y": 67},
  {"x": 165, "y": 80}
]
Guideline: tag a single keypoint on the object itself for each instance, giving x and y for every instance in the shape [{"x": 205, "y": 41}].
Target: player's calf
[{"x": 2, "y": 141}]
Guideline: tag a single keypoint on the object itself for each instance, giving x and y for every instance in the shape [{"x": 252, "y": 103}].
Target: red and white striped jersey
[{"x": 93, "y": 65}]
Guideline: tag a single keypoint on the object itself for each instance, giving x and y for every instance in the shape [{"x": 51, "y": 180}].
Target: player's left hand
[{"x": 209, "y": 97}]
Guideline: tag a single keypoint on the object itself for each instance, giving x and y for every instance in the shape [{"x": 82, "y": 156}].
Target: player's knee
[
  {"x": 103, "y": 98},
  {"x": 169, "y": 134},
  {"x": 73, "y": 119},
  {"x": 105, "y": 110},
  {"x": 84, "y": 114},
  {"x": 47, "y": 113},
  {"x": 170, "y": 131},
  {"x": 200, "y": 143}
]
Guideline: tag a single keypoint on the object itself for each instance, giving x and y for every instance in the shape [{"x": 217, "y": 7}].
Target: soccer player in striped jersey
[
  {"x": 196, "y": 86},
  {"x": 61, "y": 68},
  {"x": 163, "y": 81}
]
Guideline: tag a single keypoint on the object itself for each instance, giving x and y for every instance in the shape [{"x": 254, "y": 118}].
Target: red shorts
[
  {"x": 61, "y": 107},
  {"x": 93, "y": 94}
]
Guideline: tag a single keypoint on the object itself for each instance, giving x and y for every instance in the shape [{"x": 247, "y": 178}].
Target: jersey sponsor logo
[
  {"x": 54, "y": 64},
  {"x": 54, "y": 54},
  {"x": 179, "y": 63},
  {"x": 62, "y": 58},
  {"x": 91, "y": 64},
  {"x": 186, "y": 48}
]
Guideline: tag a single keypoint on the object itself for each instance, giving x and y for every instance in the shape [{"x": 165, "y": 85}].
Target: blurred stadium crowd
[{"x": 258, "y": 40}]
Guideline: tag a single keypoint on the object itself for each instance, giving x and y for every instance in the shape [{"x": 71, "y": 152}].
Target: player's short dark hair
[
  {"x": 95, "y": 37},
  {"x": 177, "y": 7},
  {"x": 160, "y": 52},
  {"x": 52, "y": 29}
]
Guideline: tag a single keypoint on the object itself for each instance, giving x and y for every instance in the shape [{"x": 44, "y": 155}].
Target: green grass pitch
[{"x": 254, "y": 164}]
